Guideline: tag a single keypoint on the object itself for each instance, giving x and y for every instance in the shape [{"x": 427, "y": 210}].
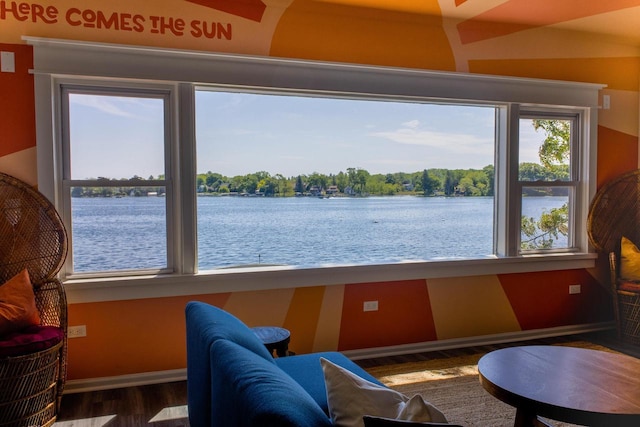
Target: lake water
[{"x": 129, "y": 233}]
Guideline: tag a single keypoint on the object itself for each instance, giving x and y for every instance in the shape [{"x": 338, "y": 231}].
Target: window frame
[
  {"x": 165, "y": 94},
  {"x": 60, "y": 63},
  {"x": 576, "y": 117}
]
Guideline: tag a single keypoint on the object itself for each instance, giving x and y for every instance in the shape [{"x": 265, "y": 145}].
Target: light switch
[{"x": 7, "y": 62}]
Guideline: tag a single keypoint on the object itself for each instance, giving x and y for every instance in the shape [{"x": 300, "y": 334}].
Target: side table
[
  {"x": 574, "y": 385},
  {"x": 274, "y": 338}
]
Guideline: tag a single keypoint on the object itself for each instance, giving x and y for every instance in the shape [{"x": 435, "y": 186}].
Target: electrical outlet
[
  {"x": 7, "y": 62},
  {"x": 574, "y": 289},
  {"x": 77, "y": 331},
  {"x": 370, "y": 306}
]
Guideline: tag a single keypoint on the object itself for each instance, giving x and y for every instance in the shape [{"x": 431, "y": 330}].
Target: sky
[{"x": 241, "y": 133}]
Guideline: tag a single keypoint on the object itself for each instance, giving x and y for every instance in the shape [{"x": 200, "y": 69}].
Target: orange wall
[
  {"x": 17, "y": 116},
  {"x": 126, "y": 337}
]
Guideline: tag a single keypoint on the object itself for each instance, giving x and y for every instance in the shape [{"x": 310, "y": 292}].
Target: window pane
[
  {"x": 545, "y": 218},
  {"x": 125, "y": 231},
  {"x": 116, "y": 136},
  {"x": 545, "y": 150},
  {"x": 545, "y": 155},
  {"x": 312, "y": 181},
  {"x": 111, "y": 139}
]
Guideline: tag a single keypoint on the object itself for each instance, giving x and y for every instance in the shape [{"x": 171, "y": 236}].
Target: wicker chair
[
  {"x": 614, "y": 213},
  {"x": 32, "y": 236}
]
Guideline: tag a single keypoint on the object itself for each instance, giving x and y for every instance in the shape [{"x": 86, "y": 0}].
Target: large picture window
[
  {"x": 317, "y": 181},
  {"x": 232, "y": 166}
]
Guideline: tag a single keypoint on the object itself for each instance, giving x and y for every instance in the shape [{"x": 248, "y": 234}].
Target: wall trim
[
  {"x": 477, "y": 341},
  {"x": 282, "y": 277},
  {"x": 157, "y": 377},
  {"x": 120, "y": 381},
  {"x": 83, "y": 58}
]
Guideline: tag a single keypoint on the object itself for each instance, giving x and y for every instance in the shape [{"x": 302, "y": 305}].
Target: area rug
[{"x": 453, "y": 386}]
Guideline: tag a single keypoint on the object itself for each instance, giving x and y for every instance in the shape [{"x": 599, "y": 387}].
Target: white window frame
[
  {"x": 59, "y": 62},
  {"x": 576, "y": 116},
  {"x": 87, "y": 87}
]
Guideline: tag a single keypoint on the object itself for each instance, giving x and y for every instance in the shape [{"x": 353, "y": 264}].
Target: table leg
[
  {"x": 526, "y": 418},
  {"x": 282, "y": 349}
]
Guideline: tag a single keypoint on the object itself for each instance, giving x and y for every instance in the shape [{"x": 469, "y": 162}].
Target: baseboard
[
  {"x": 157, "y": 377},
  {"x": 132, "y": 380},
  {"x": 516, "y": 336}
]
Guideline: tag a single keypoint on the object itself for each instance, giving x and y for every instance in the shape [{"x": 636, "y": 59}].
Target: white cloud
[
  {"x": 412, "y": 124},
  {"x": 456, "y": 142},
  {"x": 120, "y": 106},
  {"x": 100, "y": 103},
  {"x": 434, "y": 148}
]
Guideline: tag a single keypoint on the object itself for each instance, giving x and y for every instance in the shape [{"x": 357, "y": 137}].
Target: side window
[
  {"x": 115, "y": 187},
  {"x": 547, "y": 181}
]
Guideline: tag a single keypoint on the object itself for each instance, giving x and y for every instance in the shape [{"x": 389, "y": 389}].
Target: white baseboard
[
  {"x": 516, "y": 336},
  {"x": 120, "y": 381},
  {"x": 157, "y": 377}
]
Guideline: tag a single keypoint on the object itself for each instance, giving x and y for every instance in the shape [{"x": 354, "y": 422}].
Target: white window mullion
[
  {"x": 64, "y": 174},
  {"x": 185, "y": 147},
  {"x": 507, "y": 190},
  {"x": 579, "y": 174}
]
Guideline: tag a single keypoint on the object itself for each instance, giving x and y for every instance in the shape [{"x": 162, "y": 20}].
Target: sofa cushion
[
  {"x": 351, "y": 398},
  {"x": 206, "y": 324},
  {"x": 306, "y": 370},
  {"x": 249, "y": 391}
]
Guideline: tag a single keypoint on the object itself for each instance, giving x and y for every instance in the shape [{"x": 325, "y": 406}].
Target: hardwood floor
[
  {"x": 159, "y": 405},
  {"x": 164, "y": 405}
]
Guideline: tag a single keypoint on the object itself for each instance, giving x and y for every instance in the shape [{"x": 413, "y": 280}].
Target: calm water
[{"x": 129, "y": 232}]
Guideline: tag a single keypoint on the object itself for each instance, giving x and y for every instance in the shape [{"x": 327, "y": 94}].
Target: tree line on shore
[
  {"x": 353, "y": 182},
  {"x": 359, "y": 182}
]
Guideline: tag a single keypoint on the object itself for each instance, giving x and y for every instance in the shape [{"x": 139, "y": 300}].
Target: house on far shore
[
  {"x": 332, "y": 190},
  {"x": 315, "y": 190}
]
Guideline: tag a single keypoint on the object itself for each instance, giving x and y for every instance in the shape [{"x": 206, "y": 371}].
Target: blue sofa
[{"x": 232, "y": 380}]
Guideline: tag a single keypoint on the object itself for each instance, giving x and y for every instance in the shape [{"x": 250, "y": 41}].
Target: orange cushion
[
  {"x": 17, "y": 304},
  {"x": 629, "y": 260}
]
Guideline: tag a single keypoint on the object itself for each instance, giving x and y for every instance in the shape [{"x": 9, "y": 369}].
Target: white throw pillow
[{"x": 351, "y": 397}]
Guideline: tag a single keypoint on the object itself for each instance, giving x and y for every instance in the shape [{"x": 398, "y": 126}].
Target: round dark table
[
  {"x": 574, "y": 385},
  {"x": 274, "y": 338}
]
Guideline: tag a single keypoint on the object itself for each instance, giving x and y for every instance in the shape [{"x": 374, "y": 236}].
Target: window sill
[{"x": 261, "y": 278}]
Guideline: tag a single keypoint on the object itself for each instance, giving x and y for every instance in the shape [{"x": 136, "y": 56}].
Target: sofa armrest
[{"x": 205, "y": 325}]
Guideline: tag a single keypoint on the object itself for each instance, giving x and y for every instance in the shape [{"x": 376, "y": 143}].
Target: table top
[
  {"x": 271, "y": 334},
  {"x": 574, "y": 385}
]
